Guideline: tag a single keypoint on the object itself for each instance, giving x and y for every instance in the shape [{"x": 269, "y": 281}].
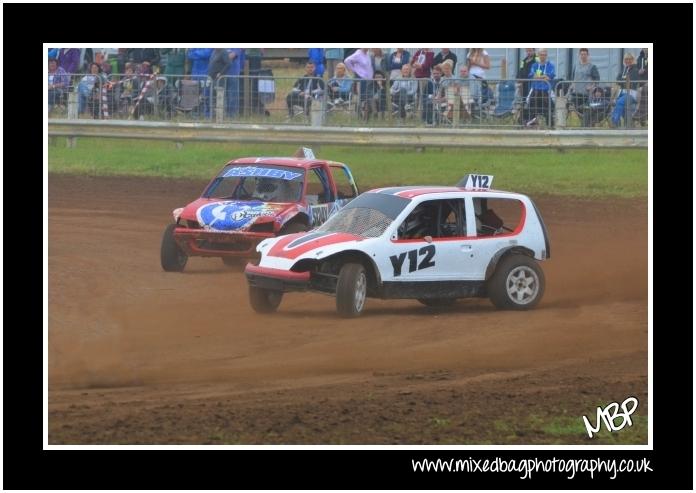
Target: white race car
[{"x": 431, "y": 243}]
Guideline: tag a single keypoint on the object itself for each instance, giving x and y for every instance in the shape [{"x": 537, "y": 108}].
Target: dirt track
[{"x": 137, "y": 355}]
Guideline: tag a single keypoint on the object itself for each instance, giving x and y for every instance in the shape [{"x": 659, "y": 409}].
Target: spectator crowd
[{"x": 431, "y": 85}]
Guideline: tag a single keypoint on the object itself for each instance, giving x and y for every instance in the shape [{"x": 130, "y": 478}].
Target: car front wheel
[
  {"x": 172, "y": 257},
  {"x": 351, "y": 290},
  {"x": 264, "y": 300},
  {"x": 517, "y": 284}
]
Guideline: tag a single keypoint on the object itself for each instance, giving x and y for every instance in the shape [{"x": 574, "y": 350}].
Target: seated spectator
[
  {"x": 304, "y": 90},
  {"x": 58, "y": 83},
  {"x": 128, "y": 88},
  {"x": 629, "y": 80},
  {"x": 87, "y": 86},
  {"x": 403, "y": 91},
  {"x": 596, "y": 108},
  {"x": 466, "y": 92},
  {"x": 377, "y": 96},
  {"x": 341, "y": 85}
]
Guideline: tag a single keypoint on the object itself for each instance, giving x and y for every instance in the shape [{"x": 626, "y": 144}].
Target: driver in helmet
[
  {"x": 266, "y": 189},
  {"x": 416, "y": 225}
]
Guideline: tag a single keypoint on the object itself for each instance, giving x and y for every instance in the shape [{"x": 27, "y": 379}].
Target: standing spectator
[
  {"x": 254, "y": 55},
  {"x": 226, "y": 62},
  {"x": 58, "y": 82},
  {"x": 524, "y": 69},
  {"x": 543, "y": 72},
  {"x": 304, "y": 89},
  {"x": 200, "y": 59},
  {"x": 445, "y": 54},
  {"x": 333, "y": 57},
  {"x": 87, "y": 59},
  {"x": 140, "y": 55},
  {"x": 431, "y": 95},
  {"x": 643, "y": 64},
  {"x": 348, "y": 52},
  {"x": 316, "y": 55},
  {"x": 629, "y": 79},
  {"x": 175, "y": 60},
  {"x": 478, "y": 62},
  {"x": 360, "y": 64},
  {"x": 69, "y": 60},
  {"x": 421, "y": 63},
  {"x": 395, "y": 61},
  {"x": 584, "y": 76},
  {"x": 379, "y": 61},
  {"x": 525, "y": 86}
]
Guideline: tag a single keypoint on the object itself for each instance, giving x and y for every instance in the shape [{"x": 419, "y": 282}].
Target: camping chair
[
  {"x": 641, "y": 114},
  {"x": 189, "y": 97}
]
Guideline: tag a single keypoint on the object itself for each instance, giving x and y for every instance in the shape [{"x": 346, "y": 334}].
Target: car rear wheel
[
  {"x": 437, "y": 302},
  {"x": 351, "y": 290},
  {"x": 264, "y": 300},
  {"x": 517, "y": 284},
  {"x": 172, "y": 257}
]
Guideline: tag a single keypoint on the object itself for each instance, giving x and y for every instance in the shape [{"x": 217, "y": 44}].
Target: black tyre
[
  {"x": 172, "y": 257},
  {"x": 351, "y": 290},
  {"x": 517, "y": 284},
  {"x": 291, "y": 228},
  {"x": 264, "y": 300},
  {"x": 437, "y": 302}
]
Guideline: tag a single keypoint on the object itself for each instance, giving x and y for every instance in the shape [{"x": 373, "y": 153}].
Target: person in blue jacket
[
  {"x": 543, "y": 72},
  {"x": 200, "y": 58},
  {"x": 316, "y": 55}
]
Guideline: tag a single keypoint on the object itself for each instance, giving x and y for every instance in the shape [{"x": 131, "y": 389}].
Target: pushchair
[{"x": 597, "y": 108}]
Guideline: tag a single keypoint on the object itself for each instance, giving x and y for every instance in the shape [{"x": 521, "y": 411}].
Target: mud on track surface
[{"x": 138, "y": 355}]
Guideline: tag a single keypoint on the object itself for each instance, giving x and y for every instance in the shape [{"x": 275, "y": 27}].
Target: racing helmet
[
  {"x": 266, "y": 189},
  {"x": 416, "y": 224}
]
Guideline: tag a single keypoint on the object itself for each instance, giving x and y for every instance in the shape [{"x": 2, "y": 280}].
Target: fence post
[
  {"x": 219, "y": 103},
  {"x": 247, "y": 89},
  {"x": 561, "y": 111},
  {"x": 72, "y": 105}
]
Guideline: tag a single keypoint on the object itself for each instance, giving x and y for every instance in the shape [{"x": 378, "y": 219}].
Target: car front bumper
[
  {"x": 276, "y": 279},
  {"x": 202, "y": 243}
]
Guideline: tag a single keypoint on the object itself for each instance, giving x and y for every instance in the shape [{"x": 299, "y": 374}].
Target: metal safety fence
[{"x": 443, "y": 101}]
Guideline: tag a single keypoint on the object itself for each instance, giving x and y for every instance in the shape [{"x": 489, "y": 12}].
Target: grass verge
[{"x": 577, "y": 172}]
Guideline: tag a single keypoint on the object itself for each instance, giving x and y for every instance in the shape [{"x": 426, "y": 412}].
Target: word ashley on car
[
  {"x": 431, "y": 243},
  {"x": 252, "y": 199}
]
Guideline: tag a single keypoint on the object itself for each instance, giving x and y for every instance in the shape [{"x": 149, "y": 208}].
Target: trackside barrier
[{"x": 306, "y": 135}]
